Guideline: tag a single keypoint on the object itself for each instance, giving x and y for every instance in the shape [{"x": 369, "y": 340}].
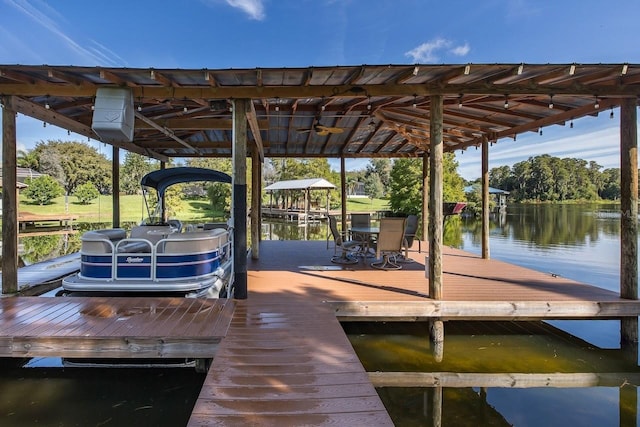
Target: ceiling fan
[{"x": 322, "y": 130}]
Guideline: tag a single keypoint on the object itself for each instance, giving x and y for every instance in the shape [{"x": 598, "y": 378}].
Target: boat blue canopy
[{"x": 164, "y": 178}]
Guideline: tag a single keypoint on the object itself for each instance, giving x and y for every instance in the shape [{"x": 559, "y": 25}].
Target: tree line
[{"x": 548, "y": 178}]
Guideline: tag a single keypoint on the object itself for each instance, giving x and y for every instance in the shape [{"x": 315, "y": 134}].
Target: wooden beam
[
  {"x": 10, "y": 197},
  {"x": 483, "y": 310},
  {"x": 53, "y": 117},
  {"x": 168, "y": 91},
  {"x": 166, "y": 131},
  {"x": 196, "y": 124},
  {"x": 255, "y": 130},
  {"x": 503, "y": 380}
]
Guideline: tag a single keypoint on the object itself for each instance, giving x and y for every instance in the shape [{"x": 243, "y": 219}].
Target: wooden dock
[
  {"x": 26, "y": 219},
  {"x": 112, "y": 327},
  {"x": 280, "y": 356}
]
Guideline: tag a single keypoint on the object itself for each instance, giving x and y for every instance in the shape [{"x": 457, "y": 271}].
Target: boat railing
[{"x": 155, "y": 255}]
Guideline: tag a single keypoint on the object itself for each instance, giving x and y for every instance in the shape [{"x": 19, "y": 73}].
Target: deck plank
[{"x": 286, "y": 362}]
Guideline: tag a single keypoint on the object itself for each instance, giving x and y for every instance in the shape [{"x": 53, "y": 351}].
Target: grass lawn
[{"x": 132, "y": 208}]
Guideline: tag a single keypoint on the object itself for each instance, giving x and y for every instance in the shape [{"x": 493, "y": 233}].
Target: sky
[{"x": 302, "y": 33}]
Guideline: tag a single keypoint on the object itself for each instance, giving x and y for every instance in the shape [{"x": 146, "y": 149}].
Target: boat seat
[
  {"x": 134, "y": 246},
  {"x": 158, "y": 232},
  {"x": 196, "y": 241},
  {"x": 101, "y": 241}
]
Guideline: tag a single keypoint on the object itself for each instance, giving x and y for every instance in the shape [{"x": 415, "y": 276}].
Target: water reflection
[
  {"x": 95, "y": 397},
  {"x": 496, "y": 373}
]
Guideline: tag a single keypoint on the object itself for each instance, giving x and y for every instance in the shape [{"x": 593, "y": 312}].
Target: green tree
[
  {"x": 611, "y": 184},
  {"x": 27, "y": 159},
  {"x": 373, "y": 186},
  {"x": 86, "y": 193},
  {"x": 405, "y": 194},
  {"x": 135, "y": 166},
  {"x": 73, "y": 164},
  {"x": 381, "y": 168},
  {"x": 42, "y": 189}
]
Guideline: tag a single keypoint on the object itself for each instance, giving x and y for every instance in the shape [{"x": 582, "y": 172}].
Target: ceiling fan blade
[{"x": 304, "y": 130}]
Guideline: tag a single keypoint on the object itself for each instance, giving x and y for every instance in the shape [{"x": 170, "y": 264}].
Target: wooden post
[
  {"x": 629, "y": 214},
  {"x": 435, "y": 416},
  {"x": 425, "y": 196},
  {"x": 115, "y": 180},
  {"x": 435, "y": 199},
  {"x": 239, "y": 198},
  {"x": 485, "y": 199},
  {"x": 343, "y": 193},
  {"x": 256, "y": 203},
  {"x": 9, "y": 198}
]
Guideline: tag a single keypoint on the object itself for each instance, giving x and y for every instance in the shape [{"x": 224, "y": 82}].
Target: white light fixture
[
  {"x": 506, "y": 101},
  {"x": 520, "y": 69},
  {"x": 416, "y": 69},
  {"x": 625, "y": 67},
  {"x": 550, "y": 102},
  {"x": 415, "y": 101},
  {"x": 596, "y": 105},
  {"x": 467, "y": 69},
  {"x": 572, "y": 69},
  {"x": 460, "y": 100}
]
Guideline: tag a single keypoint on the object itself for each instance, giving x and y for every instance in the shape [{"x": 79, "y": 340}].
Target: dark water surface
[{"x": 561, "y": 373}]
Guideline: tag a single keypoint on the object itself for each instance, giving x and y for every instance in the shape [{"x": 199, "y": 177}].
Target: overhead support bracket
[{"x": 165, "y": 131}]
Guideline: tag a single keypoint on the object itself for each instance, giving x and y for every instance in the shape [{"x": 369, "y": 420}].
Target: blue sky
[{"x": 293, "y": 33}]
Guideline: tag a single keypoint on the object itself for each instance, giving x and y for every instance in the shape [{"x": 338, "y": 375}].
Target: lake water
[{"x": 491, "y": 373}]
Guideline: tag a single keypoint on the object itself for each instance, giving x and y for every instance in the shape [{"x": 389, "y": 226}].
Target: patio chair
[
  {"x": 347, "y": 247},
  {"x": 409, "y": 235},
  {"x": 362, "y": 220},
  {"x": 389, "y": 243}
]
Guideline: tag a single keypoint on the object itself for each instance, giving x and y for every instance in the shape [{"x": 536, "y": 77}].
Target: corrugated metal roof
[
  {"x": 351, "y": 111},
  {"x": 301, "y": 184}
]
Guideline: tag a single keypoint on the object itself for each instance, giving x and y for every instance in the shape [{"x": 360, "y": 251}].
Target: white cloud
[
  {"x": 44, "y": 16},
  {"x": 253, "y": 8},
  {"x": 462, "y": 50},
  {"x": 428, "y": 52}
]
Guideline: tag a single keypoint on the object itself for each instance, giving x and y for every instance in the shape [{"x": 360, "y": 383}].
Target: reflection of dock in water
[{"x": 30, "y": 220}]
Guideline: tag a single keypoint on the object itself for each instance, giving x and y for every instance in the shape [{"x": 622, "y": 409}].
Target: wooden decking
[
  {"x": 112, "y": 327},
  {"x": 286, "y": 361},
  {"x": 474, "y": 288},
  {"x": 281, "y": 357},
  {"x": 27, "y": 218}
]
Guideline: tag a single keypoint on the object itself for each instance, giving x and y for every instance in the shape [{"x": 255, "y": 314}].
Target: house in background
[{"x": 500, "y": 196}]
